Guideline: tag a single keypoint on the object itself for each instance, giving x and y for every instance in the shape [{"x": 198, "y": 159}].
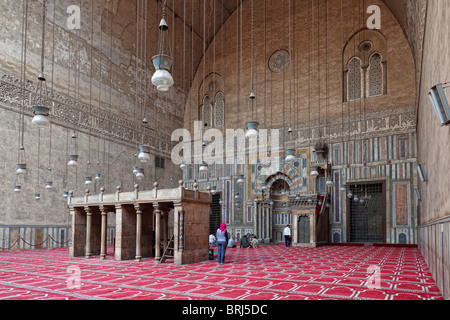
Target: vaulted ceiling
[{"x": 206, "y": 17}]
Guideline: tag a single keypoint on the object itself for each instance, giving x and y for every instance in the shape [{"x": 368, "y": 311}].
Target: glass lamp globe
[
  {"x": 144, "y": 157},
  {"x": 329, "y": 182},
  {"x": 163, "y": 80},
  {"x": 21, "y": 168},
  {"x": 88, "y": 181},
  {"x": 140, "y": 174},
  {"x": 40, "y": 119},
  {"x": 252, "y": 129},
  {"x": 73, "y": 160},
  {"x": 290, "y": 155},
  {"x": 203, "y": 167}
]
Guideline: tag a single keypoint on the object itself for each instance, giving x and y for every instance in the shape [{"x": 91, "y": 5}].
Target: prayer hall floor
[{"x": 269, "y": 272}]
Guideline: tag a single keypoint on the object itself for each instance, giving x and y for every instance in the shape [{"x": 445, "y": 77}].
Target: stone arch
[
  {"x": 358, "y": 53},
  {"x": 276, "y": 178},
  {"x": 211, "y": 95}
]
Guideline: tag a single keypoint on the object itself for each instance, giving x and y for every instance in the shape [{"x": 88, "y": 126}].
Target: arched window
[
  {"x": 219, "y": 110},
  {"x": 375, "y": 76},
  {"x": 365, "y": 66},
  {"x": 207, "y": 113},
  {"x": 212, "y": 97},
  {"x": 354, "y": 80}
]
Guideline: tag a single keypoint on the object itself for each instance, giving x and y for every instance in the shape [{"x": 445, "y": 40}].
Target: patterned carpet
[{"x": 269, "y": 272}]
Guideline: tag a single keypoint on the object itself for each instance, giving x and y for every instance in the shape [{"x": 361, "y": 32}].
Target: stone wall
[
  {"x": 433, "y": 151},
  {"x": 103, "y": 112},
  {"x": 312, "y": 90},
  {"x": 309, "y": 99}
]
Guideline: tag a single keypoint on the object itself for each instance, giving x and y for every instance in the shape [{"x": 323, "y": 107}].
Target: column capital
[{"x": 138, "y": 208}]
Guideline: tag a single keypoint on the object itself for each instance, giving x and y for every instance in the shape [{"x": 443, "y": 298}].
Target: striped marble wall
[
  {"x": 36, "y": 237},
  {"x": 389, "y": 159}
]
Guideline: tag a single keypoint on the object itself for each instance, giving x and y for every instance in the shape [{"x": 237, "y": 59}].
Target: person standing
[
  {"x": 287, "y": 236},
  {"x": 222, "y": 241}
]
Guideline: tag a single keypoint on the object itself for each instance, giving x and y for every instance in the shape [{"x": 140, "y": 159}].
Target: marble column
[
  {"x": 138, "y": 232},
  {"x": 104, "y": 213},
  {"x": 88, "y": 250},
  {"x": 157, "y": 213},
  {"x": 166, "y": 227}
]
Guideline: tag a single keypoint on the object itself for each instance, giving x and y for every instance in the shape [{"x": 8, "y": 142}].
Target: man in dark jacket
[{"x": 245, "y": 242}]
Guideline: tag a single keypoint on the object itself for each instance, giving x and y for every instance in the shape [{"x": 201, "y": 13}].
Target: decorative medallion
[
  {"x": 365, "y": 46},
  {"x": 279, "y": 61}
]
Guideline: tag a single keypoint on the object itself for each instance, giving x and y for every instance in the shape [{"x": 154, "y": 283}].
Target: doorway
[
  {"x": 367, "y": 213},
  {"x": 215, "y": 213}
]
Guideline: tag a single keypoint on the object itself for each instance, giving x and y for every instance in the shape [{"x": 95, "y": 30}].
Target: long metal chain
[
  {"x": 44, "y": 16},
  {"x": 252, "y": 44}
]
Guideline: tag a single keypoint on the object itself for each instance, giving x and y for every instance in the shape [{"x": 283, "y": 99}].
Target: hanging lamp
[
  {"x": 252, "y": 125},
  {"x": 73, "y": 158},
  {"x": 329, "y": 182},
  {"x": 140, "y": 174},
  {"x": 41, "y": 111},
  {"x": 290, "y": 155},
  {"x": 21, "y": 169},
  {"x": 252, "y": 129},
  {"x": 49, "y": 182},
  {"x": 88, "y": 181},
  {"x": 162, "y": 62},
  {"x": 144, "y": 154},
  {"x": 203, "y": 167},
  {"x": 40, "y": 119},
  {"x": 350, "y": 194}
]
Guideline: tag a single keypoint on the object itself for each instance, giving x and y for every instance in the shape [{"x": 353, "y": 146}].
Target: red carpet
[{"x": 269, "y": 272}]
